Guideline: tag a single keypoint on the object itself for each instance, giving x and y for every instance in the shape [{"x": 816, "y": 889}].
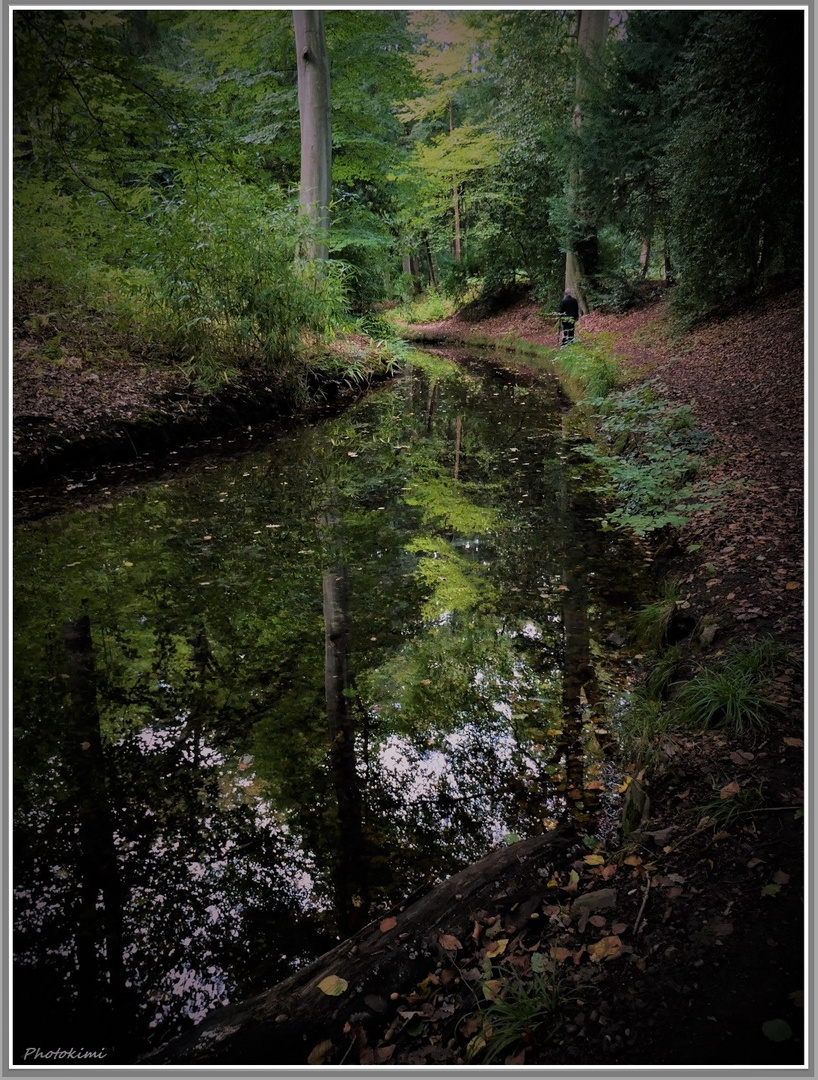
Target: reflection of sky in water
[{"x": 428, "y": 781}]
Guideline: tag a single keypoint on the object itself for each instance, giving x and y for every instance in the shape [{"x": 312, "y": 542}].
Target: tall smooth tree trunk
[
  {"x": 455, "y": 191},
  {"x": 316, "y": 130},
  {"x": 591, "y": 30},
  {"x": 431, "y": 262}
]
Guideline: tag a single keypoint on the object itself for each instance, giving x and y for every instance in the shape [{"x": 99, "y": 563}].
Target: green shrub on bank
[{"x": 650, "y": 456}]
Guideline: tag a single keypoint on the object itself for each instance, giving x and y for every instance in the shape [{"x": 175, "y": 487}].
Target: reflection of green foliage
[
  {"x": 446, "y": 503},
  {"x": 435, "y": 366},
  {"x": 456, "y": 583}
]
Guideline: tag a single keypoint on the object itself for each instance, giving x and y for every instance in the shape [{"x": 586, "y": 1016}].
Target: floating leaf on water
[
  {"x": 333, "y": 985},
  {"x": 777, "y": 1030}
]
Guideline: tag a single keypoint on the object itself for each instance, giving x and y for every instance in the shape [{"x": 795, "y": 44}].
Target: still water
[{"x": 257, "y": 704}]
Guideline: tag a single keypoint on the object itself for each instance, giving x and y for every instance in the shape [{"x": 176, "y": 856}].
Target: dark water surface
[{"x": 193, "y": 816}]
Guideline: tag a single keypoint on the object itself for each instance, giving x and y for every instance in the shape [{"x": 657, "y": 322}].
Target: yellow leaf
[
  {"x": 333, "y": 985},
  {"x": 792, "y": 585},
  {"x": 497, "y": 948},
  {"x": 320, "y": 1053},
  {"x": 609, "y": 948},
  {"x": 594, "y": 860},
  {"x": 126, "y": 563}
]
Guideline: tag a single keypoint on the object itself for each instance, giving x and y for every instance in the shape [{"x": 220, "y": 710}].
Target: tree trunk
[
  {"x": 316, "y": 135},
  {"x": 593, "y": 25},
  {"x": 644, "y": 255},
  {"x": 455, "y": 195},
  {"x": 431, "y": 262}
]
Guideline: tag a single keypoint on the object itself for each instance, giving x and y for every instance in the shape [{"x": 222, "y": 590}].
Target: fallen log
[{"x": 284, "y": 1025}]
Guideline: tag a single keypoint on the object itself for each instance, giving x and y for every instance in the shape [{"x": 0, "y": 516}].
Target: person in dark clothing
[{"x": 569, "y": 313}]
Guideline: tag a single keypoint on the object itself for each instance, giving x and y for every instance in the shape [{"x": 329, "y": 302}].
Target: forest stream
[{"x": 261, "y": 701}]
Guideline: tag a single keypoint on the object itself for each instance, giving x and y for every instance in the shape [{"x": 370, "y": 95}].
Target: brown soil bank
[{"x": 682, "y": 945}]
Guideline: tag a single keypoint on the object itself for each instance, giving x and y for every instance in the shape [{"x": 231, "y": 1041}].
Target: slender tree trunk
[
  {"x": 593, "y": 24},
  {"x": 431, "y": 263},
  {"x": 644, "y": 255},
  {"x": 316, "y": 135},
  {"x": 458, "y": 433},
  {"x": 455, "y": 195}
]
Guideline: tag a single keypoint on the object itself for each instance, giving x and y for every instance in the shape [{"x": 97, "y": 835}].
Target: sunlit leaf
[{"x": 333, "y": 985}]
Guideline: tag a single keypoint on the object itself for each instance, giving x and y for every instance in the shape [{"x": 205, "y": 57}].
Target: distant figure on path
[{"x": 569, "y": 313}]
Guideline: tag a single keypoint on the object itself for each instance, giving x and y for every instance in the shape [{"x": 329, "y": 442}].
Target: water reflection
[{"x": 257, "y": 704}]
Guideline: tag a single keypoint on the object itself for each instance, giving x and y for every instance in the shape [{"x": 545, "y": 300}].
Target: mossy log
[{"x": 283, "y": 1025}]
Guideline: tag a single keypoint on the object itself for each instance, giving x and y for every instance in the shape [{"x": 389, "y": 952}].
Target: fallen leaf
[
  {"x": 597, "y": 920},
  {"x": 793, "y": 742},
  {"x": 492, "y": 988},
  {"x": 497, "y": 948},
  {"x": 388, "y": 924},
  {"x": 729, "y": 790},
  {"x": 754, "y": 862},
  {"x": 333, "y": 985},
  {"x": 449, "y": 942},
  {"x": 560, "y": 954},
  {"x": 594, "y": 860},
  {"x": 780, "y": 877},
  {"x": 793, "y": 585},
  {"x": 621, "y": 927},
  {"x": 633, "y": 860},
  {"x": 126, "y": 563},
  {"x": 320, "y": 1053},
  {"x": 741, "y": 757},
  {"x": 771, "y": 890},
  {"x": 384, "y": 1053},
  {"x": 608, "y": 948}
]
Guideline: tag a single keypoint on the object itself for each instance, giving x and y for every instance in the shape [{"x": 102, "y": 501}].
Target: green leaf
[{"x": 777, "y": 1030}]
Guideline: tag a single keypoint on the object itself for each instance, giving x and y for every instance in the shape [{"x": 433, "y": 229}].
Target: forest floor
[{"x": 692, "y": 952}]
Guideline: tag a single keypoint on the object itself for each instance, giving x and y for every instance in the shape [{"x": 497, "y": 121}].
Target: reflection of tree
[
  {"x": 352, "y": 888},
  {"x": 579, "y": 681},
  {"x": 99, "y": 935}
]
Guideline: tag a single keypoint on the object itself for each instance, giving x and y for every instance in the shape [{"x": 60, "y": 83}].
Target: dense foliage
[{"x": 157, "y": 157}]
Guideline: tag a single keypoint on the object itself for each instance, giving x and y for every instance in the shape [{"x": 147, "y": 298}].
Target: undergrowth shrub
[{"x": 650, "y": 454}]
